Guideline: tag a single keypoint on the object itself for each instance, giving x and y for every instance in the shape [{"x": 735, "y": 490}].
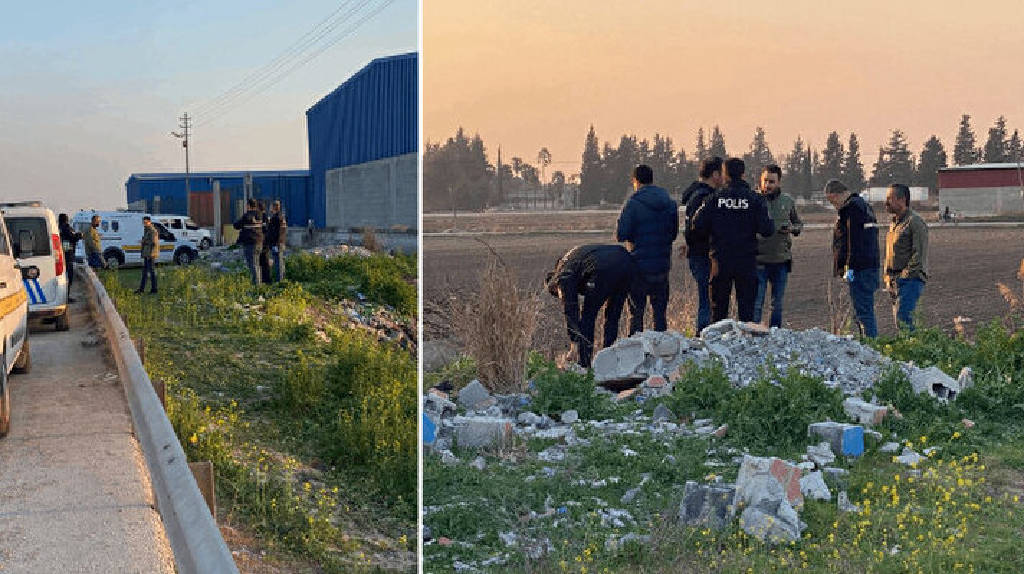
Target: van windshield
[
  {"x": 28, "y": 229},
  {"x": 191, "y": 225}
]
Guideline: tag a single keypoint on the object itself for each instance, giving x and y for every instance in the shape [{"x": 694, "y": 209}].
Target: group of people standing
[
  {"x": 261, "y": 238},
  {"x": 736, "y": 240}
]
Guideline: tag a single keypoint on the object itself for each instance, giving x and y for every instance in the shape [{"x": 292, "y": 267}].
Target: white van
[
  {"x": 121, "y": 237},
  {"x": 15, "y": 354},
  {"x": 183, "y": 226},
  {"x": 36, "y": 245}
]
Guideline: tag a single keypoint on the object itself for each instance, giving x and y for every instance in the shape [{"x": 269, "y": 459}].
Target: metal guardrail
[{"x": 191, "y": 530}]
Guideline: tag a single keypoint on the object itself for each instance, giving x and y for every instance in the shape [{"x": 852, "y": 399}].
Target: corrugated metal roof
[
  {"x": 204, "y": 174},
  {"x": 982, "y": 166},
  {"x": 372, "y": 115}
]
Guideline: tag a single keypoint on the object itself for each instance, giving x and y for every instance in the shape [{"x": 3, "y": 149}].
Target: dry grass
[
  {"x": 370, "y": 240},
  {"x": 839, "y": 306},
  {"x": 496, "y": 325}
]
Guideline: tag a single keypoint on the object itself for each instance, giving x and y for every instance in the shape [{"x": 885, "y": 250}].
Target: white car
[
  {"x": 36, "y": 245},
  {"x": 121, "y": 237},
  {"x": 15, "y": 355},
  {"x": 183, "y": 226}
]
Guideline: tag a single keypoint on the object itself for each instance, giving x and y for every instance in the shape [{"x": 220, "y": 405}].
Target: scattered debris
[
  {"x": 813, "y": 486},
  {"x": 707, "y": 505},
  {"x": 843, "y": 502}
]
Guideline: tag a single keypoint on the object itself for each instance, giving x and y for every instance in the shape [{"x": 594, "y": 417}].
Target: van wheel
[
  {"x": 113, "y": 259},
  {"x": 205, "y": 243},
  {"x": 5, "y": 397},
  {"x": 184, "y": 257},
  {"x": 23, "y": 364},
  {"x": 63, "y": 322}
]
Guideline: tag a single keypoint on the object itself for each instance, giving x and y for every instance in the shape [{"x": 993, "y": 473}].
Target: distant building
[{"x": 982, "y": 189}]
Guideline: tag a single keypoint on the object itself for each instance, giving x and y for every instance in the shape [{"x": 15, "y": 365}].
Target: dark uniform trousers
[
  {"x": 611, "y": 295},
  {"x": 653, "y": 286},
  {"x": 723, "y": 280}
]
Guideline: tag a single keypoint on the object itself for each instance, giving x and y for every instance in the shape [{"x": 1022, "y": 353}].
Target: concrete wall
[
  {"x": 981, "y": 201},
  {"x": 380, "y": 194}
]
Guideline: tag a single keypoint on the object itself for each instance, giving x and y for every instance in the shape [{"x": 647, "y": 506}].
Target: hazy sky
[
  {"x": 89, "y": 91},
  {"x": 531, "y": 73}
]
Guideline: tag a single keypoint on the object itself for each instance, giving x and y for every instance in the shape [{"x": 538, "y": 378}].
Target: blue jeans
[
  {"x": 700, "y": 268},
  {"x": 95, "y": 261},
  {"x": 908, "y": 291},
  {"x": 148, "y": 270},
  {"x": 252, "y": 261},
  {"x": 862, "y": 293},
  {"x": 278, "y": 253},
  {"x": 776, "y": 274},
  {"x": 652, "y": 287}
]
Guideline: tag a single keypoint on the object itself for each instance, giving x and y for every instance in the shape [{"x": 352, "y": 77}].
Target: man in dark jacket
[
  {"x": 250, "y": 237},
  {"x": 695, "y": 248},
  {"x": 277, "y": 233},
  {"x": 69, "y": 242},
  {"x": 602, "y": 275},
  {"x": 733, "y": 218},
  {"x": 265, "y": 251},
  {"x": 775, "y": 253},
  {"x": 150, "y": 251},
  {"x": 648, "y": 224},
  {"x": 855, "y": 251}
]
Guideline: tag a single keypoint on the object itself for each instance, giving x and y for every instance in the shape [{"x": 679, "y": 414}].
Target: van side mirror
[{"x": 25, "y": 243}]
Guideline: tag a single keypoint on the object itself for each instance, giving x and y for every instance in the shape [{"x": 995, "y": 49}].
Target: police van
[
  {"x": 36, "y": 246},
  {"x": 121, "y": 239},
  {"x": 183, "y": 226},
  {"x": 15, "y": 355}
]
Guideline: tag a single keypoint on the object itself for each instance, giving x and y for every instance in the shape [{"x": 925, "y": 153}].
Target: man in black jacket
[
  {"x": 602, "y": 275},
  {"x": 250, "y": 237},
  {"x": 69, "y": 241},
  {"x": 695, "y": 248},
  {"x": 855, "y": 251},
  {"x": 648, "y": 224},
  {"x": 277, "y": 233},
  {"x": 733, "y": 218}
]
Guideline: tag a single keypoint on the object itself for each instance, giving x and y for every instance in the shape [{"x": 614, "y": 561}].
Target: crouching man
[{"x": 602, "y": 275}]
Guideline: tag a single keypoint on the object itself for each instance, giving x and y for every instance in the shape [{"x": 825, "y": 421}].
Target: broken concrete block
[
  {"x": 909, "y": 457},
  {"x": 630, "y": 495},
  {"x": 934, "y": 382},
  {"x": 813, "y": 486},
  {"x": 757, "y": 474},
  {"x": 846, "y": 439},
  {"x": 620, "y": 361},
  {"x": 663, "y": 344},
  {"x": 570, "y": 416},
  {"x": 663, "y": 413},
  {"x": 864, "y": 412},
  {"x": 476, "y": 432},
  {"x": 843, "y": 502},
  {"x": 447, "y": 457},
  {"x": 890, "y": 447},
  {"x": 529, "y": 418},
  {"x": 821, "y": 454},
  {"x": 755, "y": 329},
  {"x": 716, "y": 330},
  {"x": 478, "y": 463},
  {"x": 720, "y": 431},
  {"x": 626, "y": 394},
  {"x": 655, "y": 386},
  {"x": 473, "y": 395},
  {"x": 774, "y": 522},
  {"x": 707, "y": 505}
]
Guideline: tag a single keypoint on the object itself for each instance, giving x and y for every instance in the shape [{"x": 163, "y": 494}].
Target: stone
[
  {"x": 806, "y": 465},
  {"x": 721, "y": 431},
  {"x": 479, "y": 431},
  {"x": 473, "y": 395},
  {"x": 552, "y": 454},
  {"x": 772, "y": 521},
  {"x": 709, "y": 505},
  {"x": 835, "y": 473},
  {"x": 909, "y": 457},
  {"x": 890, "y": 447},
  {"x": 751, "y": 328},
  {"x": 864, "y": 412},
  {"x": 704, "y": 431},
  {"x": 934, "y": 382},
  {"x": 630, "y": 495},
  {"x": 821, "y": 454},
  {"x": 448, "y": 458},
  {"x": 843, "y": 502},
  {"x": 663, "y": 413},
  {"x": 620, "y": 361},
  {"x": 478, "y": 463},
  {"x": 614, "y": 543},
  {"x": 655, "y": 386},
  {"x": 427, "y": 535},
  {"x": 813, "y": 486},
  {"x": 757, "y": 476},
  {"x": 845, "y": 439},
  {"x": 529, "y": 418},
  {"x": 717, "y": 330},
  {"x": 660, "y": 344},
  {"x": 570, "y": 416},
  {"x": 508, "y": 538}
]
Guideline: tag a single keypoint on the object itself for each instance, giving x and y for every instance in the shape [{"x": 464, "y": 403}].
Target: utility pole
[
  {"x": 183, "y": 135},
  {"x": 501, "y": 197}
]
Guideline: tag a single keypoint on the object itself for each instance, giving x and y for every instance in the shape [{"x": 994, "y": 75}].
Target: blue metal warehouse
[{"x": 372, "y": 116}]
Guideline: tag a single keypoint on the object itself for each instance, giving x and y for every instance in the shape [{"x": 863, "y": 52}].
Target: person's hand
[{"x": 848, "y": 276}]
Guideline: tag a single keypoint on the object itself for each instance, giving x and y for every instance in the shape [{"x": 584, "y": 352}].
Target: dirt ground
[{"x": 965, "y": 265}]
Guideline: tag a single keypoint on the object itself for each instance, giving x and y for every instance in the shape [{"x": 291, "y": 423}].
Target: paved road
[{"x": 74, "y": 489}]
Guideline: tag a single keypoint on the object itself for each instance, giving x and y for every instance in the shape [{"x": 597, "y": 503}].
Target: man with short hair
[
  {"x": 775, "y": 253},
  {"x": 602, "y": 275},
  {"x": 855, "y": 251},
  {"x": 648, "y": 224},
  {"x": 277, "y": 233},
  {"x": 93, "y": 247},
  {"x": 150, "y": 250},
  {"x": 906, "y": 254},
  {"x": 69, "y": 239},
  {"x": 695, "y": 247},
  {"x": 733, "y": 218},
  {"x": 250, "y": 237}
]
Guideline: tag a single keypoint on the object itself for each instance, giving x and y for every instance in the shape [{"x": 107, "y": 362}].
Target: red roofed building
[{"x": 982, "y": 189}]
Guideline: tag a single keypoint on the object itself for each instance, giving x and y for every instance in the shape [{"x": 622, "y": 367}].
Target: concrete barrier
[{"x": 191, "y": 530}]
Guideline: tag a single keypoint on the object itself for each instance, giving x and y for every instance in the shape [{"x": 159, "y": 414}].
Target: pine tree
[
  {"x": 591, "y": 171},
  {"x": 759, "y": 155},
  {"x": 831, "y": 159},
  {"x": 702, "y": 148},
  {"x": 794, "y": 168},
  {"x": 996, "y": 146},
  {"x": 895, "y": 162},
  {"x": 933, "y": 157},
  {"x": 717, "y": 144},
  {"x": 853, "y": 169},
  {"x": 964, "y": 150},
  {"x": 1013, "y": 148}
]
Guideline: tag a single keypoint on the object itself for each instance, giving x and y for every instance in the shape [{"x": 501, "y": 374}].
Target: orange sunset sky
[{"x": 528, "y": 73}]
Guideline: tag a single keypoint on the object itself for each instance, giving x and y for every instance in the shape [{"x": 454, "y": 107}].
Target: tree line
[{"x": 458, "y": 173}]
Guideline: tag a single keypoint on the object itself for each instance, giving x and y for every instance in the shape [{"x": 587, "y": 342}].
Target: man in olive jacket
[
  {"x": 150, "y": 253},
  {"x": 906, "y": 254},
  {"x": 93, "y": 246},
  {"x": 774, "y": 253}
]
